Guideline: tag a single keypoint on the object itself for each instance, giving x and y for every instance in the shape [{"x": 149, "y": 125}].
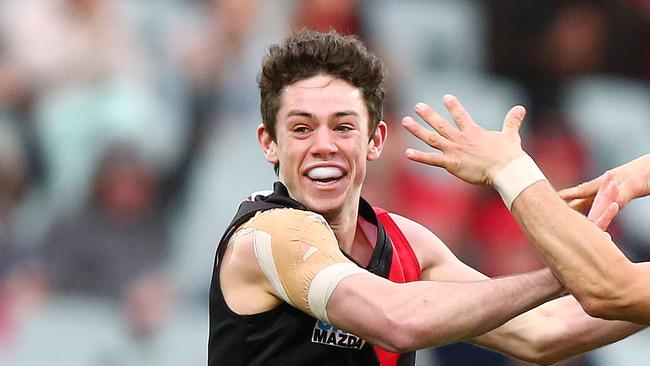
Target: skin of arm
[
  {"x": 633, "y": 180},
  {"x": 599, "y": 275},
  {"x": 406, "y": 317},
  {"x": 397, "y": 317},
  {"x": 544, "y": 335},
  {"x": 584, "y": 258}
]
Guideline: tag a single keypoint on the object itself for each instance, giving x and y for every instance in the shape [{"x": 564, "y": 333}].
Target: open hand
[{"x": 469, "y": 152}]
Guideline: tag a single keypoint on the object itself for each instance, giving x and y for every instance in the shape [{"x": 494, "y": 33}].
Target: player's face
[{"x": 322, "y": 143}]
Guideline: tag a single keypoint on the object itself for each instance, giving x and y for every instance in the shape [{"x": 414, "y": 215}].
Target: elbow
[
  {"x": 608, "y": 308},
  {"x": 537, "y": 351},
  {"x": 608, "y": 297},
  {"x": 403, "y": 333},
  {"x": 609, "y": 300},
  {"x": 545, "y": 357},
  {"x": 541, "y": 356},
  {"x": 613, "y": 299},
  {"x": 398, "y": 344},
  {"x": 543, "y": 345},
  {"x": 598, "y": 307}
]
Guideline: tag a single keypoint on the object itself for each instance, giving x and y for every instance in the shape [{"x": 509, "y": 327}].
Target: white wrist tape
[{"x": 518, "y": 175}]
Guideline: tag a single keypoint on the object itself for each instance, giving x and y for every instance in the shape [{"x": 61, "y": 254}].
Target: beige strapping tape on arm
[{"x": 300, "y": 257}]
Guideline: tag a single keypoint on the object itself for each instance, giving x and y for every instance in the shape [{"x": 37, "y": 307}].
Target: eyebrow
[
  {"x": 299, "y": 113},
  {"x": 346, "y": 113}
]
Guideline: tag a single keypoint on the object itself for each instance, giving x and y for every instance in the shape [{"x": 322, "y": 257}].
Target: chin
[{"x": 327, "y": 207}]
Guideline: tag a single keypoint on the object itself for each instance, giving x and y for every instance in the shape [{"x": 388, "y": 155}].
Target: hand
[
  {"x": 470, "y": 152},
  {"x": 605, "y": 208},
  {"x": 633, "y": 181}
]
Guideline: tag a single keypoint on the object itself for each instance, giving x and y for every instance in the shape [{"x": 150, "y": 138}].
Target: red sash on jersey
[{"x": 403, "y": 268}]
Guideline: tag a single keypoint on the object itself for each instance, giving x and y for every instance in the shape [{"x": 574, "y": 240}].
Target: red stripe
[
  {"x": 407, "y": 263},
  {"x": 404, "y": 268}
]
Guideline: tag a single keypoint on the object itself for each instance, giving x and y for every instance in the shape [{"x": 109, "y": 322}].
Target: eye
[
  {"x": 301, "y": 130},
  {"x": 344, "y": 128}
]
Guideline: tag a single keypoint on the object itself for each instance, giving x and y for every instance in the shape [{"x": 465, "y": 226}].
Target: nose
[{"x": 323, "y": 143}]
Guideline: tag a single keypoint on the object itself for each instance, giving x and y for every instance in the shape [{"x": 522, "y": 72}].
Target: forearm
[
  {"x": 429, "y": 313},
  {"x": 585, "y": 259},
  {"x": 554, "y": 331}
]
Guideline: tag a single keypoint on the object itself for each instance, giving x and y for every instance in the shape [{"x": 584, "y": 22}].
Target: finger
[
  {"x": 582, "y": 190},
  {"x": 435, "y": 120},
  {"x": 607, "y": 216},
  {"x": 581, "y": 204},
  {"x": 607, "y": 193},
  {"x": 430, "y": 138},
  {"x": 512, "y": 121},
  {"x": 461, "y": 117},
  {"x": 433, "y": 159}
]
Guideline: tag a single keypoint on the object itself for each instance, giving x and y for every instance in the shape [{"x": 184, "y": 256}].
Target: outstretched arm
[
  {"x": 551, "y": 332},
  {"x": 605, "y": 282},
  {"x": 583, "y": 257},
  {"x": 421, "y": 314},
  {"x": 293, "y": 256}
]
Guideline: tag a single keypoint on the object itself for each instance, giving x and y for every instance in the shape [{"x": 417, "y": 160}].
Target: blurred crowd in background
[{"x": 127, "y": 140}]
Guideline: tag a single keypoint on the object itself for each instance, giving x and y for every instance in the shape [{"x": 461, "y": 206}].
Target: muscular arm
[
  {"x": 548, "y": 333},
  {"x": 599, "y": 275},
  {"x": 397, "y": 317},
  {"x": 582, "y": 256},
  {"x": 405, "y": 317},
  {"x": 554, "y": 331}
]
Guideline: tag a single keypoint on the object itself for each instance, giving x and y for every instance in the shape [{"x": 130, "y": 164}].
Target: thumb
[{"x": 513, "y": 120}]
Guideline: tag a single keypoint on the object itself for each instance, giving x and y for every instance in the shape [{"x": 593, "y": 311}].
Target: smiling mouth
[
  {"x": 325, "y": 175},
  {"x": 324, "y": 182}
]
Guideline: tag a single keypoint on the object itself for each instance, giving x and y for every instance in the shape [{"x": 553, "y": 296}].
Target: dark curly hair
[{"x": 309, "y": 53}]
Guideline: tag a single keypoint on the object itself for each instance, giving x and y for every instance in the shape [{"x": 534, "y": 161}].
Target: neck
[{"x": 344, "y": 225}]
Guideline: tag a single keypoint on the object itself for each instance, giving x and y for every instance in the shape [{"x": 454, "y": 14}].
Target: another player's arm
[
  {"x": 302, "y": 265},
  {"x": 551, "y": 332},
  {"x": 554, "y": 331},
  {"x": 597, "y": 273},
  {"x": 579, "y": 253}
]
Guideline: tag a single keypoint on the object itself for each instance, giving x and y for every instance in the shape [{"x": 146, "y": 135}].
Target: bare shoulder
[
  {"x": 428, "y": 248},
  {"x": 265, "y": 254},
  {"x": 240, "y": 257},
  {"x": 241, "y": 277}
]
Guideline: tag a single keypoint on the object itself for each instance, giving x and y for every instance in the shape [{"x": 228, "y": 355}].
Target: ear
[
  {"x": 376, "y": 143},
  {"x": 269, "y": 147}
]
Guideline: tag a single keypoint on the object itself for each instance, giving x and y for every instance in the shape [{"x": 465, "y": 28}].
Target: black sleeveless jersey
[{"x": 286, "y": 336}]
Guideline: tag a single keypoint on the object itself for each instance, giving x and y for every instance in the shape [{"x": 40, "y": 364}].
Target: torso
[{"x": 289, "y": 330}]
